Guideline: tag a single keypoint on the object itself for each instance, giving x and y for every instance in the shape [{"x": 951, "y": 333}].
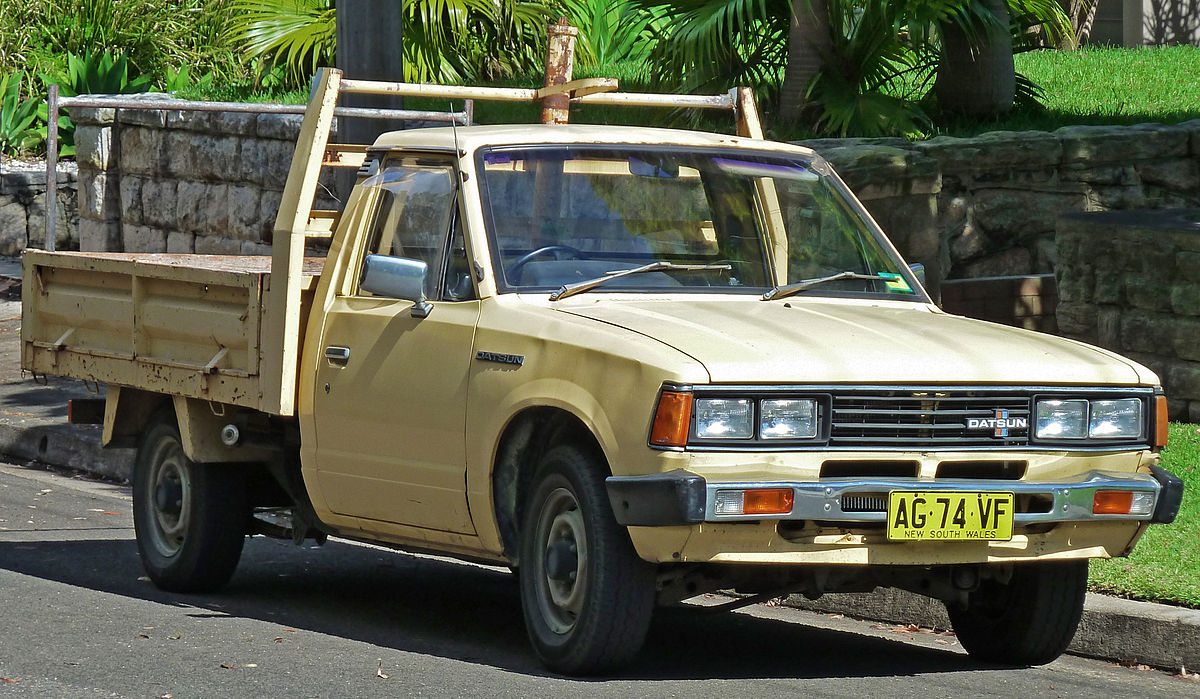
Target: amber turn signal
[
  {"x": 1160, "y": 422},
  {"x": 768, "y": 501},
  {"x": 1112, "y": 502},
  {"x": 672, "y": 419}
]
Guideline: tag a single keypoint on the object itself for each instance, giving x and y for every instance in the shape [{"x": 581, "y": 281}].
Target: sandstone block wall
[
  {"x": 967, "y": 208},
  {"x": 986, "y": 206},
  {"x": 182, "y": 181},
  {"x": 23, "y": 207},
  {"x": 1129, "y": 281}
]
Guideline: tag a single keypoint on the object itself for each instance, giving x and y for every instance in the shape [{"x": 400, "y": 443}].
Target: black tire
[
  {"x": 1028, "y": 621},
  {"x": 190, "y": 519},
  {"x": 586, "y": 595}
]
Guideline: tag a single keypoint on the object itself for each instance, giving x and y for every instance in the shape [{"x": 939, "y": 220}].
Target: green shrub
[{"x": 18, "y": 119}]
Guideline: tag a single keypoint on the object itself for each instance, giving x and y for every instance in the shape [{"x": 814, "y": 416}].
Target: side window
[{"x": 413, "y": 219}]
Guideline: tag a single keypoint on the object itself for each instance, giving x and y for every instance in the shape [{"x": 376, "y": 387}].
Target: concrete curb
[
  {"x": 69, "y": 446},
  {"x": 1112, "y": 629}
]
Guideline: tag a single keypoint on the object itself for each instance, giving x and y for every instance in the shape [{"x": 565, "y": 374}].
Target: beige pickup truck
[{"x": 635, "y": 365}]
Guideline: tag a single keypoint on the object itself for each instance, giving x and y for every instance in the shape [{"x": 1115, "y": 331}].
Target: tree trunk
[
  {"x": 368, "y": 48},
  {"x": 977, "y": 80},
  {"x": 809, "y": 44}
]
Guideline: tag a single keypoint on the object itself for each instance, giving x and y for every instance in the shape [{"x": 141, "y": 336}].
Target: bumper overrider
[{"x": 680, "y": 498}]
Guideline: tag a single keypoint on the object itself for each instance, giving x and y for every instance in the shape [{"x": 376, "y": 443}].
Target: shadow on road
[{"x": 422, "y": 605}]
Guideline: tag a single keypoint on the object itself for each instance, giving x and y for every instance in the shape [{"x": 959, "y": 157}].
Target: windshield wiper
[
  {"x": 782, "y": 292},
  {"x": 579, "y": 287}
]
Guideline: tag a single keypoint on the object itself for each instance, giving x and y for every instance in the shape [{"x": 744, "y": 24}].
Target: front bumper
[{"x": 681, "y": 498}]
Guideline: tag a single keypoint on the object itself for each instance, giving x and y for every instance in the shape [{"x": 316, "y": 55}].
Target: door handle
[{"x": 337, "y": 355}]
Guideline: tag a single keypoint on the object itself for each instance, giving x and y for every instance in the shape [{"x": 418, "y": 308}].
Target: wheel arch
[
  {"x": 128, "y": 412},
  {"x": 528, "y": 435}
]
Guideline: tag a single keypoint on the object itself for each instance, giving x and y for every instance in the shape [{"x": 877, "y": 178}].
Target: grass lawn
[
  {"x": 1089, "y": 86},
  {"x": 1165, "y": 565}
]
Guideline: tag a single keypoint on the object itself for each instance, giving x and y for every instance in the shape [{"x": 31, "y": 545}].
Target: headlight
[
  {"x": 788, "y": 419},
  {"x": 1116, "y": 419},
  {"x": 724, "y": 418},
  {"x": 1062, "y": 419},
  {"x": 1101, "y": 419}
]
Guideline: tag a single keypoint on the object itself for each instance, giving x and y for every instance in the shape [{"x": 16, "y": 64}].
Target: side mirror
[
  {"x": 918, "y": 271},
  {"x": 398, "y": 278}
]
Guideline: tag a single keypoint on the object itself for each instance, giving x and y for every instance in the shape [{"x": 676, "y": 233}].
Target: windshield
[{"x": 564, "y": 215}]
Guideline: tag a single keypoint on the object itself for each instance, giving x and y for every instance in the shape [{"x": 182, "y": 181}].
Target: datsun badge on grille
[{"x": 1000, "y": 424}]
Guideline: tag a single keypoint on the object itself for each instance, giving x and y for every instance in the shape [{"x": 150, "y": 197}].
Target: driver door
[{"x": 390, "y": 395}]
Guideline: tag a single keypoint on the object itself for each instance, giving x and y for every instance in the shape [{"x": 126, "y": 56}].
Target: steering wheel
[{"x": 513, "y": 272}]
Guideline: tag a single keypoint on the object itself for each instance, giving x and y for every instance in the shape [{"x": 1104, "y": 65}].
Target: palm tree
[
  {"x": 809, "y": 46},
  {"x": 444, "y": 40},
  {"x": 976, "y": 76}
]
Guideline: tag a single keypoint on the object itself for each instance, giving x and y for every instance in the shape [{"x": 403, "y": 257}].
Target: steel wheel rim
[
  {"x": 560, "y": 523},
  {"x": 169, "y": 520}
]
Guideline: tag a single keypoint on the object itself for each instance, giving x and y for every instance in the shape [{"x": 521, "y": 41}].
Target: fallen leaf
[
  {"x": 380, "y": 673},
  {"x": 279, "y": 639},
  {"x": 10, "y": 680},
  {"x": 837, "y": 616},
  {"x": 226, "y": 666},
  {"x": 176, "y": 637},
  {"x": 110, "y": 512},
  {"x": 142, "y": 635},
  {"x": 250, "y": 665}
]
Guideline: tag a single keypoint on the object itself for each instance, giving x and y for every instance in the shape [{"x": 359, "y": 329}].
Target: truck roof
[{"x": 472, "y": 137}]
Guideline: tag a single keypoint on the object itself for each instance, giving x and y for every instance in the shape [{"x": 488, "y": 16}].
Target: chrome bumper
[{"x": 679, "y": 497}]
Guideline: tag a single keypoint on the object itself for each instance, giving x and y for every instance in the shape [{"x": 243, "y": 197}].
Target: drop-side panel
[{"x": 187, "y": 325}]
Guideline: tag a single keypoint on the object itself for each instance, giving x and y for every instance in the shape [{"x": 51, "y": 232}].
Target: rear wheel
[
  {"x": 190, "y": 519},
  {"x": 586, "y": 595},
  {"x": 1030, "y": 620}
]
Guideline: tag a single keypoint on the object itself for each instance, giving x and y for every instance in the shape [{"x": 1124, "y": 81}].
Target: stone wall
[
  {"x": 967, "y": 208},
  {"x": 154, "y": 180},
  {"x": 23, "y": 207},
  {"x": 986, "y": 206},
  {"x": 1130, "y": 281},
  {"x": 182, "y": 181}
]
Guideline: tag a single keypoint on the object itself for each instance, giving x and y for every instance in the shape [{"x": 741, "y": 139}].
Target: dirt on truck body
[{"x": 635, "y": 365}]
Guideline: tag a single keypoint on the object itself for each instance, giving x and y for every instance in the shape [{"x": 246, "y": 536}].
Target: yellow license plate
[{"x": 941, "y": 516}]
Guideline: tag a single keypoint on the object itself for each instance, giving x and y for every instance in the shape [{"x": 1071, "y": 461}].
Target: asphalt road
[{"x": 79, "y": 619}]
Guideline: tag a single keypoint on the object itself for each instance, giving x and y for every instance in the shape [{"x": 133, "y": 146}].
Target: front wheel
[
  {"x": 190, "y": 519},
  {"x": 586, "y": 595},
  {"x": 1030, "y": 620}
]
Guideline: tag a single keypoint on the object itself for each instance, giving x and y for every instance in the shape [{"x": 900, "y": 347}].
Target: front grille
[{"x": 928, "y": 418}]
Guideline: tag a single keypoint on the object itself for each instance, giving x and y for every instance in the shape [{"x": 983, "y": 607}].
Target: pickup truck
[{"x": 634, "y": 365}]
